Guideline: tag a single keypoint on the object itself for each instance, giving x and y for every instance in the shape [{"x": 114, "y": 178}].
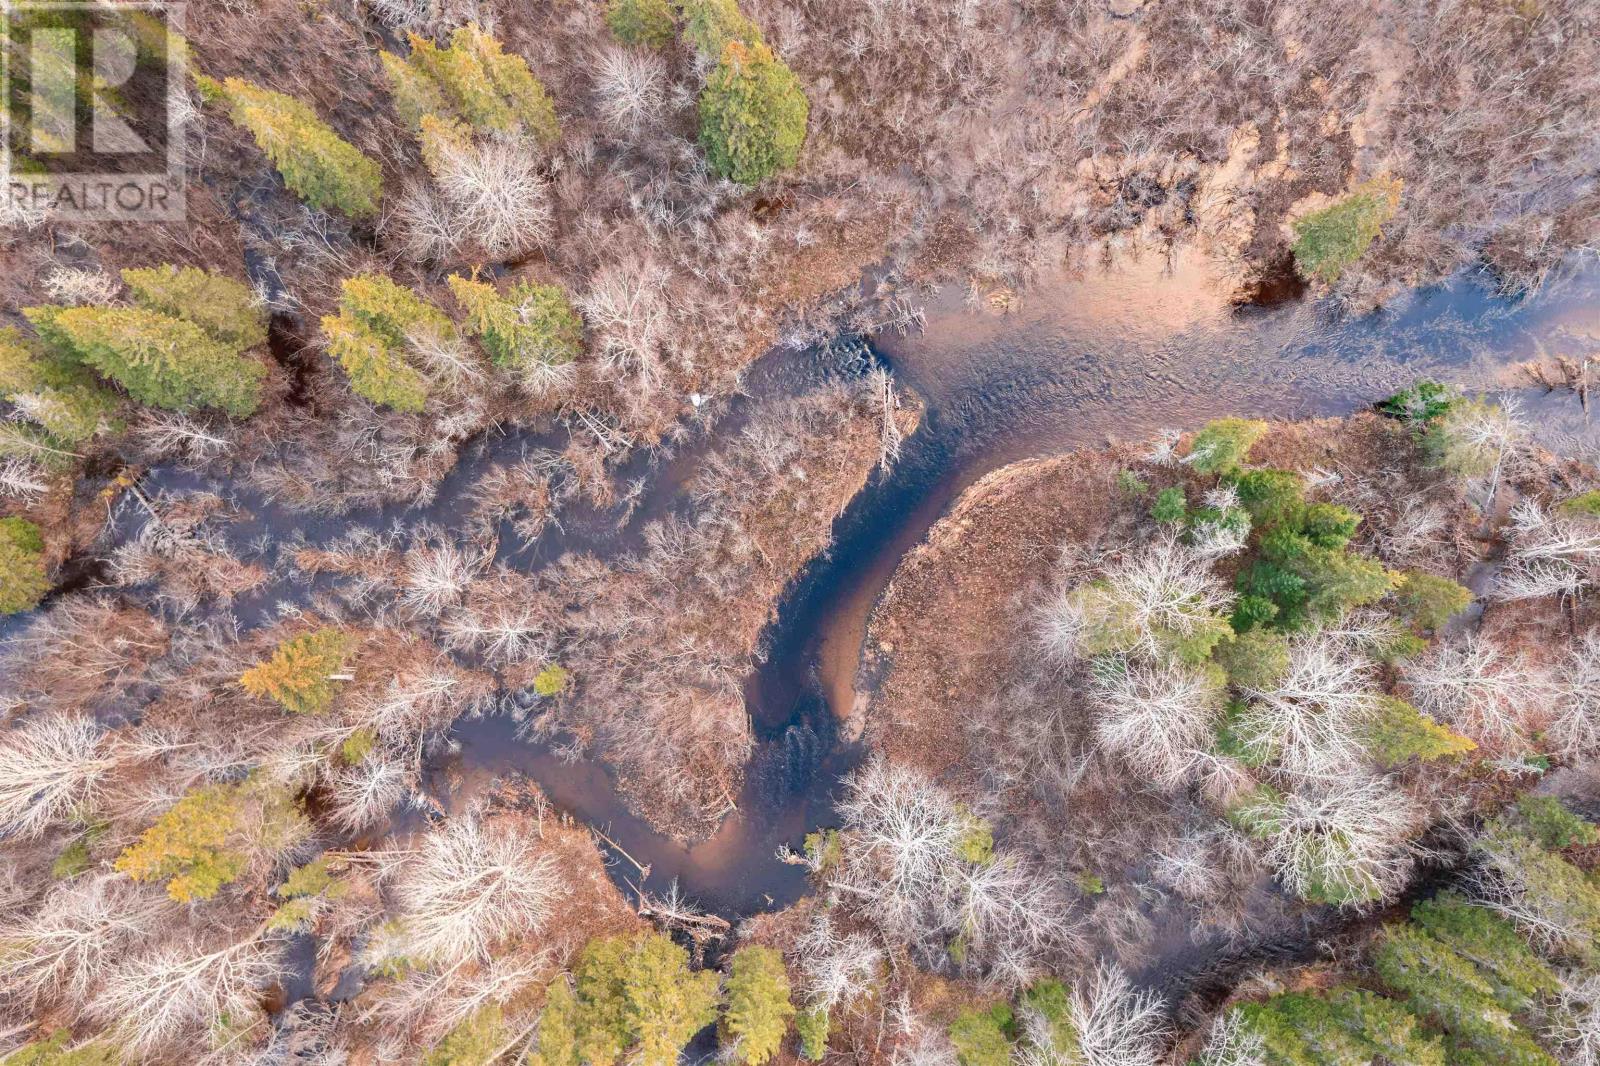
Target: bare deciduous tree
[
  {"x": 59, "y": 953},
  {"x": 175, "y": 992},
  {"x": 1156, "y": 716},
  {"x": 469, "y": 888},
  {"x": 1343, "y": 840},
  {"x": 1311, "y": 719},
  {"x": 50, "y": 767},
  {"x": 1490, "y": 696},
  {"x": 1116, "y": 1025}
]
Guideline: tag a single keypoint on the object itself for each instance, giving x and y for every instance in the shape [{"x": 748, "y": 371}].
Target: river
[{"x": 1123, "y": 351}]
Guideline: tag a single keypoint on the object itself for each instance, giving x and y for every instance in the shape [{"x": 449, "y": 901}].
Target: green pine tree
[
  {"x": 753, "y": 114},
  {"x": 159, "y": 359},
  {"x": 812, "y": 1026},
  {"x": 377, "y": 324},
  {"x": 55, "y": 393},
  {"x": 531, "y": 325},
  {"x": 1332, "y": 239},
  {"x": 758, "y": 1010},
  {"x": 478, "y": 1041},
  {"x": 473, "y": 81},
  {"x": 710, "y": 25},
  {"x": 1430, "y": 601},
  {"x": 225, "y": 308},
  {"x": 23, "y": 580},
  {"x": 1222, "y": 446},
  {"x": 1397, "y": 732},
  {"x": 1450, "y": 991},
  {"x": 642, "y": 22},
  {"x": 317, "y": 165},
  {"x": 983, "y": 1037}
]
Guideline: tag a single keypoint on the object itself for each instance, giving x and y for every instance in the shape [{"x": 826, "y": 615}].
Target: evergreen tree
[
  {"x": 642, "y": 22},
  {"x": 1330, "y": 240},
  {"x": 160, "y": 360},
  {"x": 299, "y": 676},
  {"x": 192, "y": 846},
  {"x": 1430, "y": 601},
  {"x": 477, "y": 1041},
  {"x": 1223, "y": 445},
  {"x": 558, "y": 1028},
  {"x": 393, "y": 312},
  {"x": 1397, "y": 732},
  {"x": 710, "y": 25},
  {"x": 375, "y": 370},
  {"x": 53, "y": 392},
  {"x": 983, "y": 1037},
  {"x": 1301, "y": 571},
  {"x": 753, "y": 114},
  {"x": 1171, "y": 506},
  {"x": 23, "y": 581},
  {"x": 1451, "y": 992},
  {"x": 531, "y": 325},
  {"x": 377, "y": 323},
  {"x": 1492, "y": 944},
  {"x": 473, "y": 81},
  {"x": 812, "y": 1026},
  {"x": 1049, "y": 1001},
  {"x": 204, "y": 841},
  {"x": 758, "y": 1010},
  {"x": 634, "y": 997},
  {"x": 1583, "y": 505},
  {"x": 225, "y": 308},
  {"x": 667, "y": 1004},
  {"x": 57, "y": 1049},
  {"x": 1342, "y": 1026},
  {"x": 317, "y": 165},
  {"x": 1553, "y": 826},
  {"x": 1255, "y": 659}
]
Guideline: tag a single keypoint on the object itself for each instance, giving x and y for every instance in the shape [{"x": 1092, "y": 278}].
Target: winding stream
[{"x": 1124, "y": 352}]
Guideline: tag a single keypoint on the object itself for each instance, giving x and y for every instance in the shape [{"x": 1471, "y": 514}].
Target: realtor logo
[{"x": 93, "y": 99}]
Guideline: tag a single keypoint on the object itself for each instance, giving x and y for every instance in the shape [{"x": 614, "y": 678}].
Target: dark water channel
[{"x": 1122, "y": 354}]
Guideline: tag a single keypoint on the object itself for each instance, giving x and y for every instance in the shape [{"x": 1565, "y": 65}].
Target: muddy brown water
[{"x": 1122, "y": 352}]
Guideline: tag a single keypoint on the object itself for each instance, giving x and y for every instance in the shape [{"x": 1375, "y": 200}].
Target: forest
[{"x": 515, "y": 574}]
